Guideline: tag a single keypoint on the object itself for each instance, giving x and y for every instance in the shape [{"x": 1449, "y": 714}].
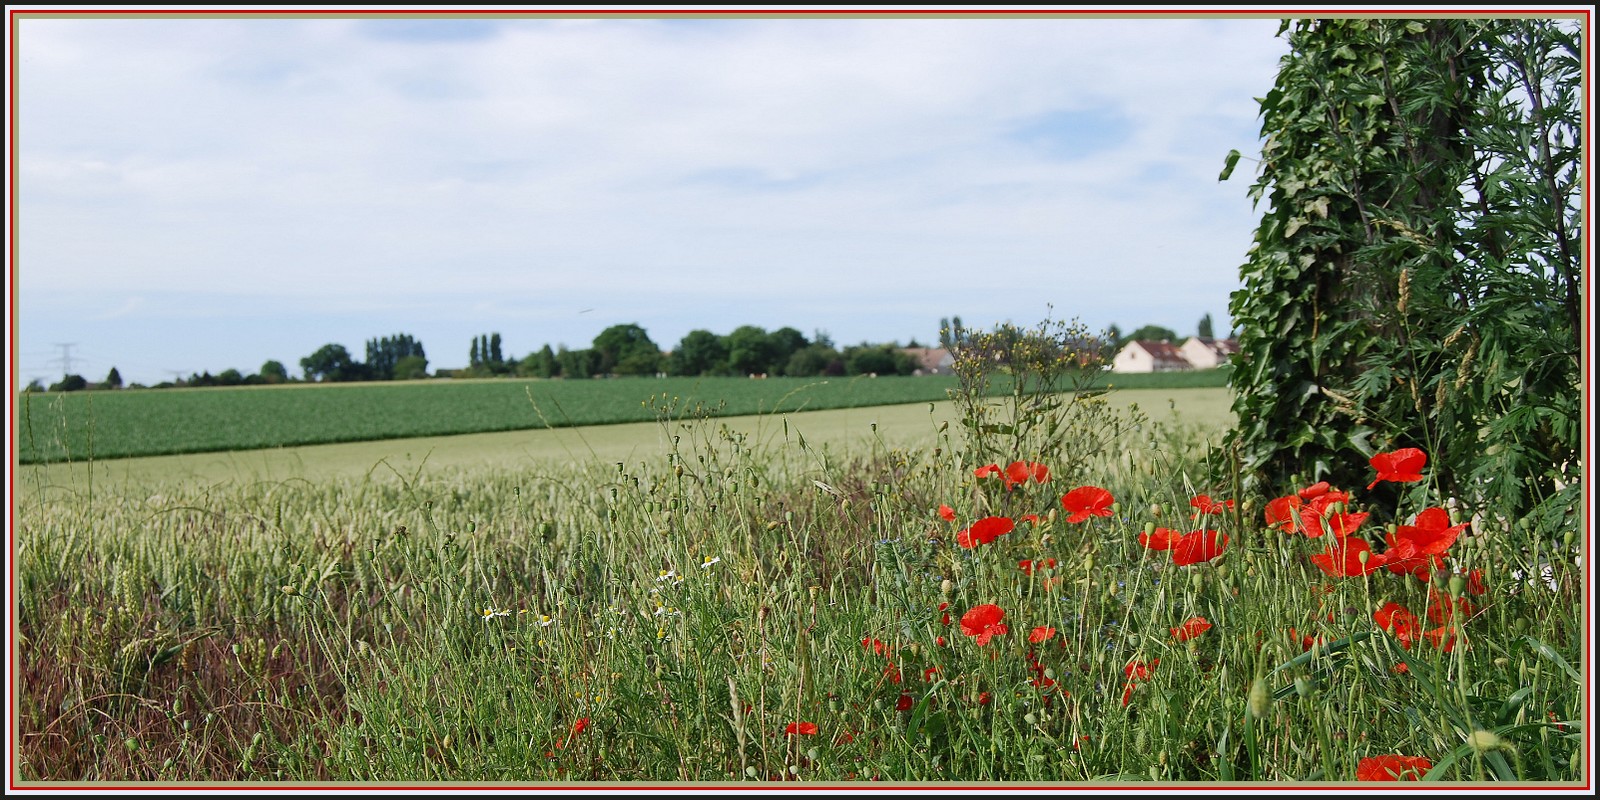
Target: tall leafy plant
[{"x": 1415, "y": 280}]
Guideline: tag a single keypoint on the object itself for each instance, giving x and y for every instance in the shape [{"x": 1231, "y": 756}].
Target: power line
[{"x": 66, "y": 356}]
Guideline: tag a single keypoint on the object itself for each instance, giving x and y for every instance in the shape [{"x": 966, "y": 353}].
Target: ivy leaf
[{"x": 1228, "y": 165}]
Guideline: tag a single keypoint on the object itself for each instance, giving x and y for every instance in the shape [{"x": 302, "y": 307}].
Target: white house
[
  {"x": 932, "y": 360},
  {"x": 1146, "y": 355},
  {"x": 1208, "y": 353}
]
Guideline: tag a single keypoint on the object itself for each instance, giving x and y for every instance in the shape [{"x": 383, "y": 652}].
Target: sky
[{"x": 208, "y": 193}]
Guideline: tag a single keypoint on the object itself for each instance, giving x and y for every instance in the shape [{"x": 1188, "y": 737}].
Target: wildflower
[
  {"x": 1192, "y": 627},
  {"x": 710, "y": 560},
  {"x": 1028, "y": 566},
  {"x": 1347, "y": 558},
  {"x": 801, "y": 729},
  {"x": 1019, "y": 472},
  {"x": 1400, "y": 466},
  {"x": 577, "y": 728},
  {"x": 1160, "y": 539},
  {"x": 669, "y": 575},
  {"x": 1139, "y": 670},
  {"x": 1033, "y": 519},
  {"x": 983, "y": 622},
  {"x": 1314, "y": 491},
  {"x": 904, "y": 703},
  {"x": 945, "y": 619},
  {"x": 984, "y": 698},
  {"x": 491, "y": 613},
  {"x": 545, "y": 620},
  {"x": 986, "y": 471},
  {"x": 1416, "y": 549},
  {"x": 1041, "y": 634},
  {"x": 948, "y": 513},
  {"x": 1283, "y": 513},
  {"x": 1399, "y": 621},
  {"x": 984, "y": 531},
  {"x": 1085, "y": 502},
  {"x": 1198, "y": 546},
  {"x": 1443, "y": 609},
  {"x": 927, "y": 674},
  {"x": 1392, "y": 768},
  {"x": 1203, "y": 504},
  {"x": 874, "y": 645}
]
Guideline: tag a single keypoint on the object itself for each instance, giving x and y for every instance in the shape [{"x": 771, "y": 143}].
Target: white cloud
[{"x": 731, "y": 159}]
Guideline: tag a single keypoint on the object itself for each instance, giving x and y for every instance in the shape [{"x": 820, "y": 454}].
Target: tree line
[{"x": 620, "y": 350}]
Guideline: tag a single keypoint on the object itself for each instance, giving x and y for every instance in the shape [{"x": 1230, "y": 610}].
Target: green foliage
[
  {"x": 113, "y": 379},
  {"x": 700, "y": 352},
  {"x": 626, "y": 350},
  {"x": 331, "y": 362},
  {"x": 750, "y": 350},
  {"x": 1203, "y": 329},
  {"x": 1415, "y": 279},
  {"x": 1048, "y": 409},
  {"x": 70, "y": 383},
  {"x": 273, "y": 371},
  {"x": 1153, "y": 333},
  {"x": 384, "y": 355}
]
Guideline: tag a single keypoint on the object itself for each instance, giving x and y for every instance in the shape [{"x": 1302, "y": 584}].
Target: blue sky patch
[{"x": 1071, "y": 135}]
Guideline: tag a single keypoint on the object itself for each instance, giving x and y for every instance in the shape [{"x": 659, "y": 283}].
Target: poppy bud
[
  {"x": 1302, "y": 686},
  {"x": 1458, "y": 585}
]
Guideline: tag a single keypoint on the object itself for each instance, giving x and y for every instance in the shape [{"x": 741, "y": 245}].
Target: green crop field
[{"x": 99, "y": 425}]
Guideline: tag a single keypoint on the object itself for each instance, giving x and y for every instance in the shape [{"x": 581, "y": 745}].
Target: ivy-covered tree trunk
[{"x": 1410, "y": 242}]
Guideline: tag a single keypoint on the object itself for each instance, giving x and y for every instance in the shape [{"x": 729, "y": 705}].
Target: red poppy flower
[
  {"x": 1416, "y": 549},
  {"x": 1028, "y": 566},
  {"x": 948, "y": 513},
  {"x": 1085, "y": 502},
  {"x": 1392, "y": 768},
  {"x": 987, "y": 470},
  {"x": 893, "y": 671},
  {"x": 1198, "y": 546},
  {"x": 1041, "y": 634},
  {"x": 984, "y": 698},
  {"x": 983, "y": 622},
  {"x": 927, "y": 674},
  {"x": 1139, "y": 670},
  {"x": 1441, "y": 609},
  {"x": 801, "y": 729},
  {"x": 577, "y": 728},
  {"x": 904, "y": 703},
  {"x": 946, "y": 616},
  {"x": 874, "y": 645},
  {"x": 984, "y": 531},
  {"x": 1400, "y": 466},
  {"x": 1475, "y": 583},
  {"x": 1327, "y": 513},
  {"x": 1442, "y": 637},
  {"x": 1160, "y": 539},
  {"x": 1315, "y": 490},
  {"x": 1343, "y": 558},
  {"x": 1032, "y": 518},
  {"x": 1127, "y": 693},
  {"x": 1283, "y": 513},
  {"x": 1306, "y": 641},
  {"x": 1023, "y": 471},
  {"x": 1191, "y": 627},
  {"x": 1398, "y": 620},
  {"x": 1203, "y": 504}
]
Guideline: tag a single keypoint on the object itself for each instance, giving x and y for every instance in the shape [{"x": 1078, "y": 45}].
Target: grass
[
  {"x": 79, "y": 426},
  {"x": 669, "y": 616}
]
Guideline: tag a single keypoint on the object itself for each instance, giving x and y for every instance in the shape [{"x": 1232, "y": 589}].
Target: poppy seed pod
[{"x": 1260, "y": 700}]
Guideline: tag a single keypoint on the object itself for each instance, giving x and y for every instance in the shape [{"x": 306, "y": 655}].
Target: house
[
  {"x": 931, "y": 360},
  {"x": 1145, "y": 355},
  {"x": 1208, "y": 353}
]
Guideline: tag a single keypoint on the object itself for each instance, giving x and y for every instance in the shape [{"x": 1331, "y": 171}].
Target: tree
[
  {"x": 699, "y": 352},
  {"x": 383, "y": 354},
  {"x": 331, "y": 362},
  {"x": 495, "y": 358},
  {"x": 410, "y": 368},
  {"x": 70, "y": 383},
  {"x": 1416, "y": 280},
  {"x": 113, "y": 379},
  {"x": 1203, "y": 330},
  {"x": 230, "y": 377},
  {"x": 474, "y": 357},
  {"x": 274, "y": 372},
  {"x": 626, "y": 350},
  {"x": 749, "y": 350},
  {"x": 576, "y": 363},
  {"x": 1153, "y": 333},
  {"x": 813, "y": 360},
  {"x": 782, "y": 344}
]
